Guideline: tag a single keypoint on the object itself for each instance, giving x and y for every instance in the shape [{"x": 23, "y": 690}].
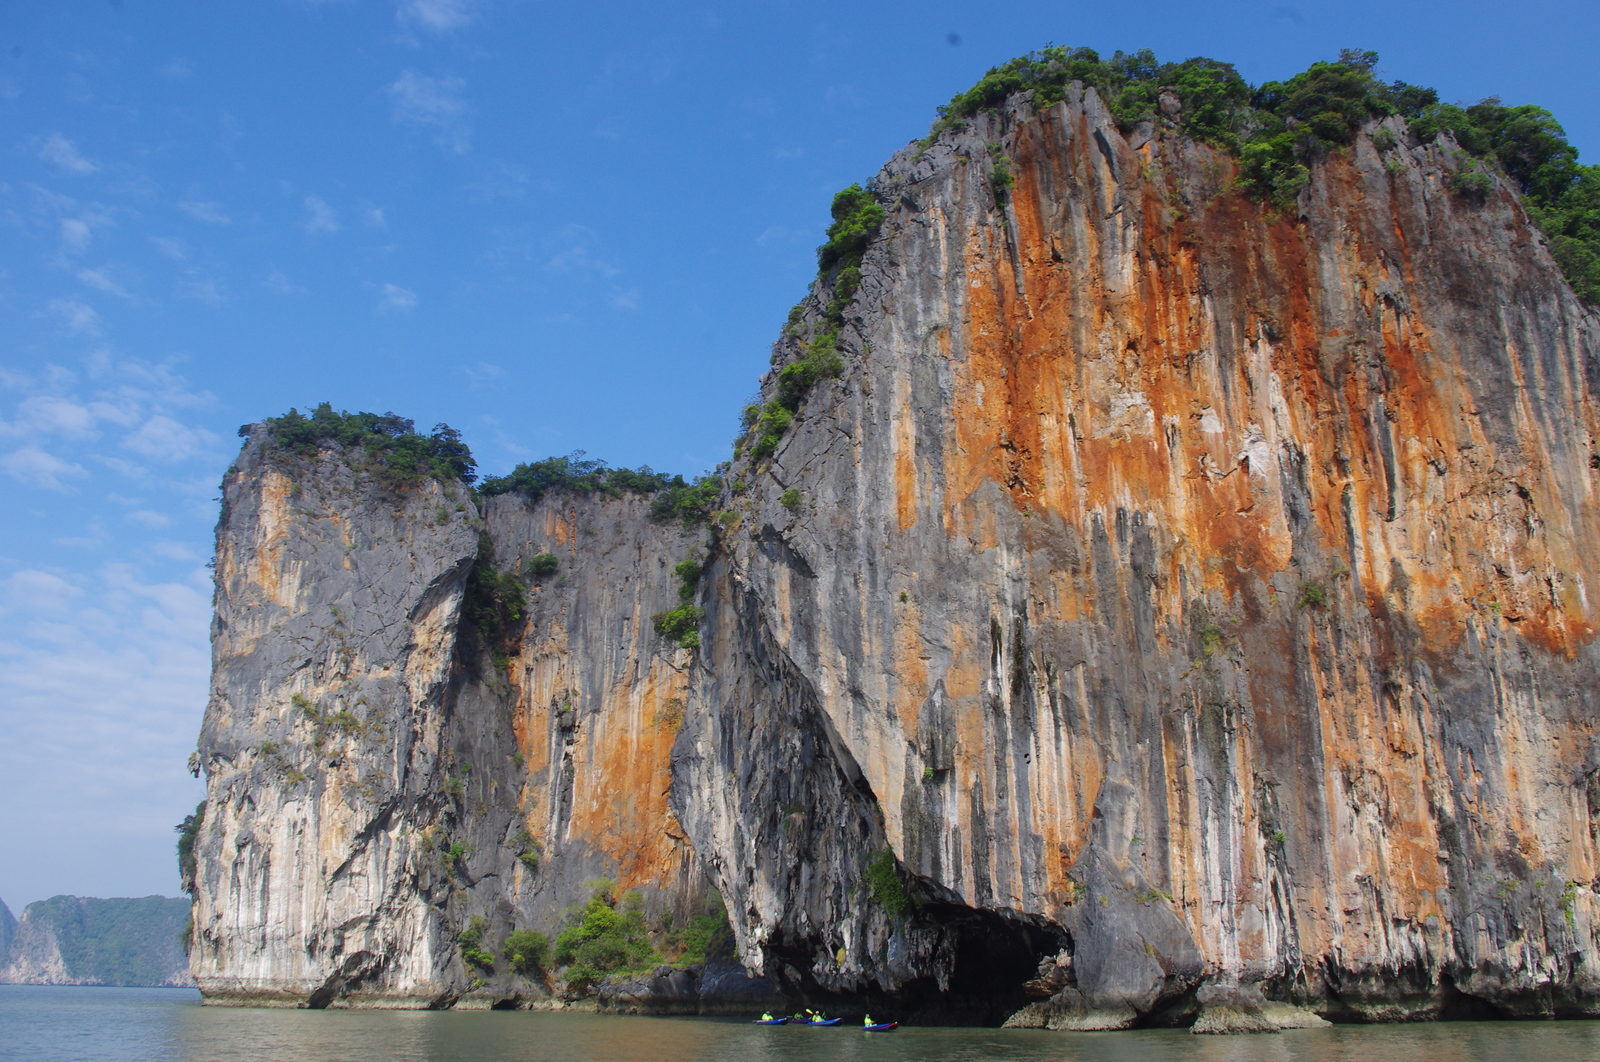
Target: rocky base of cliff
[{"x": 717, "y": 988}]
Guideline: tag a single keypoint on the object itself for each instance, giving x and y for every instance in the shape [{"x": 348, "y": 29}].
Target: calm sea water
[{"x": 40, "y": 1024}]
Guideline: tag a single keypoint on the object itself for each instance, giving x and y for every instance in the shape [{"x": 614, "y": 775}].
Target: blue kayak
[
  {"x": 884, "y": 1026},
  {"x": 771, "y": 1021},
  {"x": 825, "y": 1021}
]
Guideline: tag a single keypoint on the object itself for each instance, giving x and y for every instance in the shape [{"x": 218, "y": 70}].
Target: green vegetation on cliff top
[
  {"x": 1282, "y": 128},
  {"x": 389, "y": 447},
  {"x": 689, "y": 501},
  {"x": 386, "y": 445}
]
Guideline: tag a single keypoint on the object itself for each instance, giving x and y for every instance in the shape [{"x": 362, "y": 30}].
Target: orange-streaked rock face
[
  {"x": 1186, "y": 606},
  {"x": 1180, "y": 572}
]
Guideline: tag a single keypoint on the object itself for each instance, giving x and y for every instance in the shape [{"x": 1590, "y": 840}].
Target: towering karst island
[{"x": 1160, "y": 584}]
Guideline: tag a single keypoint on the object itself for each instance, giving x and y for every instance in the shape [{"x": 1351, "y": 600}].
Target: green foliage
[
  {"x": 471, "y": 943},
  {"x": 1001, "y": 177},
  {"x": 1215, "y": 100},
  {"x": 495, "y": 600},
  {"x": 1311, "y": 595},
  {"x": 797, "y": 378},
  {"x": 884, "y": 884},
  {"x": 574, "y": 474},
  {"x": 386, "y": 445},
  {"x": 601, "y": 939},
  {"x": 1271, "y": 168},
  {"x": 677, "y": 499},
  {"x": 1282, "y": 128},
  {"x": 542, "y": 565},
  {"x": 704, "y": 937},
  {"x": 928, "y": 774},
  {"x": 790, "y": 499},
  {"x": 527, "y": 951},
  {"x": 856, "y": 218},
  {"x": 1471, "y": 183},
  {"x": 1562, "y": 195},
  {"x": 456, "y": 855},
  {"x": 687, "y": 502},
  {"x": 682, "y": 624},
  {"x": 774, "y": 421},
  {"x": 188, "y": 830},
  {"x": 528, "y": 849}
]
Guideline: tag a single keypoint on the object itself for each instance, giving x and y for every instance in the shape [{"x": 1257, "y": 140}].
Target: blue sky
[{"x": 551, "y": 226}]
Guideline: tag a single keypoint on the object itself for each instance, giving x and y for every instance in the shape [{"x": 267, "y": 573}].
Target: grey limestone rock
[{"x": 1177, "y": 610}]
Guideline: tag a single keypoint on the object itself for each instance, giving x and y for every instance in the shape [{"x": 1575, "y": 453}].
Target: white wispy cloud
[
  {"x": 323, "y": 218},
  {"x": 435, "y": 103},
  {"x": 79, "y": 318},
  {"x": 101, "y": 691},
  {"x": 171, "y": 247},
  {"x": 574, "y": 255},
  {"x": 165, "y": 439},
  {"x": 75, "y": 235},
  {"x": 208, "y": 290},
  {"x": 276, "y": 282},
  {"x": 61, "y": 155},
  {"x": 437, "y": 15},
  {"x": 177, "y": 69},
  {"x": 150, "y": 518},
  {"x": 100, "y": 280},
  {"x": 51, "y": 415},
  {"x": 398, "y": 298},
  {"x": 202, "y": 210},
  {"x": 37, "y": 468}
]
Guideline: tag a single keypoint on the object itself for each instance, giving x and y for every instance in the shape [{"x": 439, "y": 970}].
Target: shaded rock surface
[
  {"x": 1172, "y": 601},
  {"x": 717, "y": 987}
]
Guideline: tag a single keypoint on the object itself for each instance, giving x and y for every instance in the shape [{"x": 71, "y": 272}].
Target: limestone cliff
[
  {"x": 1174, "y": 606},
  {"x": 378, "y": 779},
  {"x": 1210, "y": 584}
]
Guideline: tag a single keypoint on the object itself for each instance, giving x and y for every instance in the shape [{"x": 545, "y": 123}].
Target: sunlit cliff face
[
  {"x": 1231, "y": 562},
  {"x": 1171, "y": 597}
]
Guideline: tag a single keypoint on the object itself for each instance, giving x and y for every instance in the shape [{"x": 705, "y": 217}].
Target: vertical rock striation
[
  {"x": 378, "y": 777},
  {"x": 1176, "y": 610},
  {"x": 1208, "y": 584}
]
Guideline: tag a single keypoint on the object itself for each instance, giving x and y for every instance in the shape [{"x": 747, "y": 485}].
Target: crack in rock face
[{"x": 1172, "y": 612}]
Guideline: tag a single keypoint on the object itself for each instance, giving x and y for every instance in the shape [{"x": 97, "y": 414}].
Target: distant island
[{"x": 79, "y": 940}]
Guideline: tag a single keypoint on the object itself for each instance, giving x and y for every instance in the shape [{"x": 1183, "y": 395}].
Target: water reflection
[{"x": 135, "y": 1025}]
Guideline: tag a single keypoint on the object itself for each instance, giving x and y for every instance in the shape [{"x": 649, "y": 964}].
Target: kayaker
[
  {"x": 766, "y": 1015},
  {"x": 867, "y": 1020}
]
